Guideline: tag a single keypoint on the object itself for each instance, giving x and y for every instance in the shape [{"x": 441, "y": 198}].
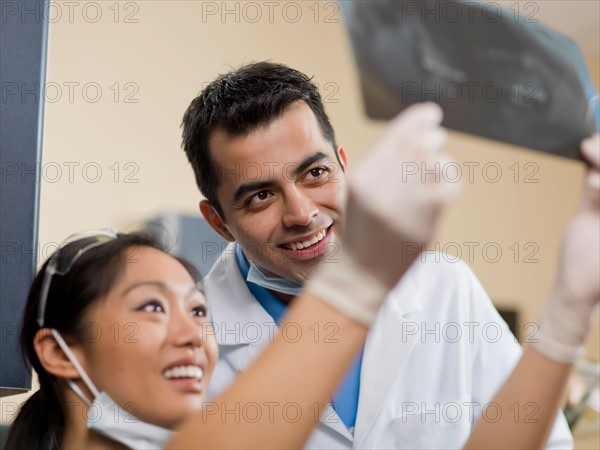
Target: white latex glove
[
  {"x": 571, "y": 309},
  {"x": 388, "y": 213}
]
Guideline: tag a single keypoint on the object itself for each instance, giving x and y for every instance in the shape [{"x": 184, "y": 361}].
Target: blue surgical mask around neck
[{"x": 272, "y": 282}]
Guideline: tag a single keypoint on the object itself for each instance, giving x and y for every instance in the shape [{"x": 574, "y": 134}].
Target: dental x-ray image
[{"x": 496, "y": 74}]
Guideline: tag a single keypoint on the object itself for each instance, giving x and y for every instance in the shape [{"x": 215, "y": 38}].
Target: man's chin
[{"x": 304, "y": 271}]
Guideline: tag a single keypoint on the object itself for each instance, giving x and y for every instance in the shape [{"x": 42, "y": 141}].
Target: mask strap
[
  {"x": 79, "y": 392},
  {"x": 65, "y": 348}
]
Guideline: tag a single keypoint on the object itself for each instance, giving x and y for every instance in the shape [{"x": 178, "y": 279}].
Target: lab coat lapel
[
  {"x": 240, "y": 320},
  {"x": 386, "y": 351},
  {"x": 237, "y": 319},
  {"x": 331, "y": 419}
]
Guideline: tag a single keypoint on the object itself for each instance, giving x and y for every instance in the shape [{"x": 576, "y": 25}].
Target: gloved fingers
[
  {"x": 416, "y": 116},
  {"x": 429, "y": 142},
  {"x": 443, "y": 189},
  {"x": 398, "y": 159},
  {"x": 590, "y": 149},
  {"x": 591, "y": 192},
  {"x": 413, "y": 133}
]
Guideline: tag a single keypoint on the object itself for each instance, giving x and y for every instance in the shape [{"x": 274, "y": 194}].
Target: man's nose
[{"x": 300, "y": 209}]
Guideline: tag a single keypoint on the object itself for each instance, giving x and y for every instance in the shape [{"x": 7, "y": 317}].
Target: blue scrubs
[{"x": 345, "y": 400}]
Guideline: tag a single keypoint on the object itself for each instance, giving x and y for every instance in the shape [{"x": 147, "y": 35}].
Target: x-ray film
[{"x": 496, "y": 74}]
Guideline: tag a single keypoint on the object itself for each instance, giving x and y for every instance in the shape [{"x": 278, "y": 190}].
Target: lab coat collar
[{"x": 241, "y": 311}]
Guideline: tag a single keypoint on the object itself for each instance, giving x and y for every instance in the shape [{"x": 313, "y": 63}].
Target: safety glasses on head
[{"x": 66, "y": 256}]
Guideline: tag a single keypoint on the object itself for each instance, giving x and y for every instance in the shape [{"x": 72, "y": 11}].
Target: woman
[{"x": 134, "y": 319}]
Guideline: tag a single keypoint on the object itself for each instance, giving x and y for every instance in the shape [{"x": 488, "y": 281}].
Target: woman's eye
[
  {"x": 152, "y": 306},
  {"x": 200, "y": 311}
]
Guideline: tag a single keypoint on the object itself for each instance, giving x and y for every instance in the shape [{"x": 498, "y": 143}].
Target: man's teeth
[
  {"x": 316, "y": 238},
  {"x": 193, "y": 372}
]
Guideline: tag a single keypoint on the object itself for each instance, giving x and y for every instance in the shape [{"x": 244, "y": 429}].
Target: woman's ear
[
  {"x": 215, "y": 221},
  {"x": 52, "y": 357}
]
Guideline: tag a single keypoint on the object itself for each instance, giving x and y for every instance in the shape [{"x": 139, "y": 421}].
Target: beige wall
[{"x": 173, "y": 50}]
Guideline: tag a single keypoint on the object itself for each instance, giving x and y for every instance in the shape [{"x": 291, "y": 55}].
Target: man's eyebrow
[
  {"x": 250, "y": 187},
  {"x": 260, "y": 185},
  {"x": 315, "y": 157}
]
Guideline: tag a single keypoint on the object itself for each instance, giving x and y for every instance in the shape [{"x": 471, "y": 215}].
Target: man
[{"x": 265, "y": 157}]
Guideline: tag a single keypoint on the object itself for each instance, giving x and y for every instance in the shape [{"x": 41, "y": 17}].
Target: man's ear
[
  {"x": 343, "y": 159},
  {"x": 214, "y": 219},
  {"x": 52, "y": 357}
]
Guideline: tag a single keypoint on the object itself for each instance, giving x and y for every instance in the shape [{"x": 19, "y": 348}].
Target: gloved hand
[
  {"x": 571, "y": 309},
  {"x": 390, "y": 210}
]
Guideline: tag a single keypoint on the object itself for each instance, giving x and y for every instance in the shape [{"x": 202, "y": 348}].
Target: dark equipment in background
[{"x": 23, "y": 35}]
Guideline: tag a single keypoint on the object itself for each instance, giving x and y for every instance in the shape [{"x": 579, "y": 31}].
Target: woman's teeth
[
  {"x": 300, "y": 245},
  {"x": 193, "y": 372}
]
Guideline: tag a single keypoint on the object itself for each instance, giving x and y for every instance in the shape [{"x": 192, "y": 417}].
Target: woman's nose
[{"x": 187, "y": 330}]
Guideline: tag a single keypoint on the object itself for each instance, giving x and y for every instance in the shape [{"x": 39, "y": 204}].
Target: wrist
[
  {"x": 346, "y": 286},
  {"x": 564, "y": 324}
]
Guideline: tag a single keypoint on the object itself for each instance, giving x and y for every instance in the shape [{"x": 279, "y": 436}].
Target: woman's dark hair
[{"x": 40, "y": 422}]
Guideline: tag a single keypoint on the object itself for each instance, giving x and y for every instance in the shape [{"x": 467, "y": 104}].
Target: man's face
[{"x": 282, "y": 193}]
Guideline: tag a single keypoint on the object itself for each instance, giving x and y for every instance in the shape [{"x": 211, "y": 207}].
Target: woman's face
[{"x": 148, "y": 343}]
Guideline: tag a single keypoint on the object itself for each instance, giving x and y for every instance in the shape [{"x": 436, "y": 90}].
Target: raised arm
[
  {"x": 285, "y": 390},
  {"x": 541, "y": 375}
]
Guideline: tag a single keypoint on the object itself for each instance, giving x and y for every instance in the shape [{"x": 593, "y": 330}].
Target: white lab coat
[{"x": 435, "y": 356}]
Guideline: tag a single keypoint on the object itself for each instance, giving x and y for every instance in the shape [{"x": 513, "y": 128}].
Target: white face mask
[
  {"x": 106, "y": 417},
  {"x": 272, "y": 282}
]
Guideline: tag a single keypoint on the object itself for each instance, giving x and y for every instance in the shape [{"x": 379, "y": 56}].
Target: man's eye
[
  {"x": 200, "y": 311},
  {"x": 259, "y": 197},
  {"x": 152, "y": 306},
  {"x": 262, "y": 195},
  {"x": 318, "y": 173}
]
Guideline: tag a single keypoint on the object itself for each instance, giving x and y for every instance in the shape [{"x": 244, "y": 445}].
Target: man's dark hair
[{"x": 238, "y": 102}]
